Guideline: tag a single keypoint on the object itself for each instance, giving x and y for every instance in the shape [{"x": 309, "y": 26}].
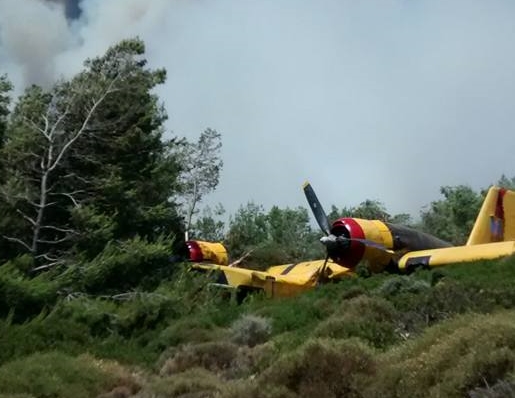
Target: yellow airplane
[{"x": 381, "y": 245}]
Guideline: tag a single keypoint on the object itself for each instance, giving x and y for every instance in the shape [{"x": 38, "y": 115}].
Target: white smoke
[
  {"x": 32, "y": 34},
  {"x": 39, "y": 45}
]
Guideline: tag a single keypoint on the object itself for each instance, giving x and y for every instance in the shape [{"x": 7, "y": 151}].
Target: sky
[{"x": 384, "y": 99}]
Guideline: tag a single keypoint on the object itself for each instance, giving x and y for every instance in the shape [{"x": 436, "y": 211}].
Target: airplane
[{"x": 382, "y": 246}]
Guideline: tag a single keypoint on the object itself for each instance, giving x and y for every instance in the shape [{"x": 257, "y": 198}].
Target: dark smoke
[{"x": 72, "y": 8}]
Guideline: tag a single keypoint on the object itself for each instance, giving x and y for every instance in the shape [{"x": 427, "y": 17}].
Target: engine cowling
[
  {"x": 211, "y": 252},
  {"x": 351, "y": 254}
]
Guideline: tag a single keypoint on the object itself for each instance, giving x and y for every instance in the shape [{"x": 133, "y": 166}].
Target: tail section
[{"x": 496, "y": 219}]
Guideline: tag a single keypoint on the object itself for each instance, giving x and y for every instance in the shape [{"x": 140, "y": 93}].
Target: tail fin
[{"x": 496, "y": 219}]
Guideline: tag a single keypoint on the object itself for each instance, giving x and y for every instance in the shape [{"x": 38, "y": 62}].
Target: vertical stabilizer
[{"x": 496, "y": 219}]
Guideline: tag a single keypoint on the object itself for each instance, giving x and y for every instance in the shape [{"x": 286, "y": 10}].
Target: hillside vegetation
[
  {"x": 95, "y": 300},
  {"x": 448, "y": 332}
]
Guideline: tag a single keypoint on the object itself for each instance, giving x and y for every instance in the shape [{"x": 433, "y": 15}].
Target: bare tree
[{"x": 201, "y": 172}]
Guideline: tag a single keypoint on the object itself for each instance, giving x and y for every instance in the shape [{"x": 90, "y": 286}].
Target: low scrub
[
  {"x": 54, "y": 374},
  {"x": 322, "y": 368},
  {"x": 471, "y": 351},
  {"x": 372, "y": 319},
  {"x": 213, "y": 356},
  {"x": 251, "y": 330},
  {"x": 195, "y": 382}
]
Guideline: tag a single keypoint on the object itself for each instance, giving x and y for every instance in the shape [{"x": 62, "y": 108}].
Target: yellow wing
[
  {"x": 451, "y": 255},
  {"x": 280, "y": 280}
]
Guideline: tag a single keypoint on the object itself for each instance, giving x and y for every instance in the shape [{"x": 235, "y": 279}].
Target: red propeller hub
[{"x": 351, "y": 255}]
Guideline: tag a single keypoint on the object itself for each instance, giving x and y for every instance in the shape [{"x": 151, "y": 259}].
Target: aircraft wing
[
  {"x": 278, "y": 281},
  {"x": 459, "y": 254}
]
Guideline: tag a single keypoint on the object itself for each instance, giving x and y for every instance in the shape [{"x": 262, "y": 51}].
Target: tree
[
  {"x": 505, "y": 182},
  {"x": 290, "y": 230},
  {"x": 247, "y": 229},
  {"x": 208, "y": 227},
  {"x": 85, "y": 161},
  {"x": 370, "y": 210},
  {"x": 5, "y": 88},
  {"x": 277, "y": 237},
  {"x": 452, "y": 218},
  {"x": 201, "y": 171}
]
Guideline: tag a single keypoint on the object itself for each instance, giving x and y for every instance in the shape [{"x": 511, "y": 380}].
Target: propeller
[{"x": 330, "y": 241}]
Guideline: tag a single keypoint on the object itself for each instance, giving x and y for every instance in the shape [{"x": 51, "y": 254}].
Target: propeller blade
[{"x": 316, "y": 208}]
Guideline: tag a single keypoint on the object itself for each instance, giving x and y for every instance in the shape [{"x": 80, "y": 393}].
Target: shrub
[
  {"x": 188, "y": 330},
  {"x": 402, "y": 284},
  {"x": 322, "y": 368},
  {"x": 42, "y": 333},
  {"x": 446, "y": 299},
  {"x": 370, "y": 318},
  {"x": 195, "y": 382},
  {"x": 252, "y": 389},
  {"x": 24, "y": 297},
  {"x": 251, "y": 330},
  {"x": 213, "y": 356},
  {"x": 54, "y": 374},
  {"x": 449, "y": 359}
]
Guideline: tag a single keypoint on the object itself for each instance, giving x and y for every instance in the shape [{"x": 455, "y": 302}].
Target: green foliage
[
  {"x": 195, "y": 382},
  {"x": 369, "y": 209},
  {"x": 452, "y": 218},
  {"x": 247, "y": 229},
  {"x": 189, "y": 330},
  {"x": 322, "y": 367},
  {"x": 23, "y": 297},
  {"x": 208, "y": 227},
  {"x": 253, "y": 389},
  {"x": 123, "y": 266},
  {"x": 402, "y": 284},
  {"x": 213, "y": 356},
  {"x": 55, "y": 374},
  {"x": 450, "y": 359},
  {"x": 369, "y": 318},
  {"x": 86, "y": 162},
  {"x": 277, "y": 237}
]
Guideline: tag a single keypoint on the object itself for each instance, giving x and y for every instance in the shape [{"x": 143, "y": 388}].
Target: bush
[
  {"x": 24, "y": 297},
  {"x": 213, "y": 356},
  {"x": 196, "y": 382},
  {"x": 188, "y": 330},
  {"x": 251, "y": 330},
  {"x": 449, "y": 359},
  {"x": 252, "y": 389},
  {"x": 322, "y": 368},
  {"x": 446, "y": 299},
  {"x": 54, "y": 374},
  {"x": 402, "y": 284},
  {"x": 372, "y": 319}
]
